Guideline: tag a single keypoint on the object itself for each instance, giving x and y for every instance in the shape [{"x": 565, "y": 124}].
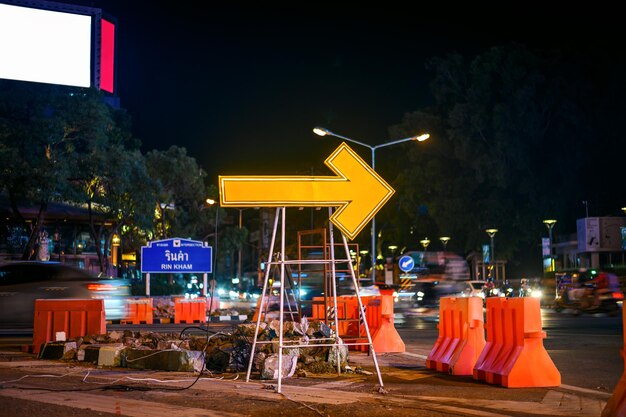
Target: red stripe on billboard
[{"x": 107, "y": 56}]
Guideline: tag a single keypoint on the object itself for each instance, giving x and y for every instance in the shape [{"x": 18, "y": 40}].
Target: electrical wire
[{"x": 121, "y": 387}]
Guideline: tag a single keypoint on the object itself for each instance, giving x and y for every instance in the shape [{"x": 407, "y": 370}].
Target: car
[{"x": 23, "y": 282}]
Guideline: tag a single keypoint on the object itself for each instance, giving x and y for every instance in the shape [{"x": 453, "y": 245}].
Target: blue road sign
[
  {"x": 406, "y": 263},
  {"x": 177, "y": 255}
]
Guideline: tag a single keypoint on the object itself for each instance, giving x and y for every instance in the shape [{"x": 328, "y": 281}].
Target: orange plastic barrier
[
  {"x": 74, "y": 317},
  {"x": 616, "y": 406},
  {"x": 138, "y": 311},
  {"x": 514, "y": 355},
  {"x": 346, "y": 309},
  {"x": 385, "y": 337},
  {"x": 461, "y": 335},
  {"x": 190, "y": 310}
]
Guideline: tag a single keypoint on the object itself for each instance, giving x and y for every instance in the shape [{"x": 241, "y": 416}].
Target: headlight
[
  {"x": 420, "y": 294},
  {"x": 536, "y": 293}
]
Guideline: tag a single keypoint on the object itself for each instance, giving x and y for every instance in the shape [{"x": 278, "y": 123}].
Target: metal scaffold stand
[{"x": 279, "y": 260}]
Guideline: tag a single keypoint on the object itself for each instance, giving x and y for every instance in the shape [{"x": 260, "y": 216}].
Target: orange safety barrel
[{"x": 73, "y": 317}]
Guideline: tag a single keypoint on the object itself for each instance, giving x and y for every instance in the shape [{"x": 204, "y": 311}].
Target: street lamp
[
  {"x": 212, "y": 202},
  {"x": 444, "y": 241},
  {"x": 115, "y": 244},
  {"x": 550, "y": 224},
  {"x": 320, "y": 131},
  {"x": 492, "y": 233},
  {"x": 425, "y": 242}
]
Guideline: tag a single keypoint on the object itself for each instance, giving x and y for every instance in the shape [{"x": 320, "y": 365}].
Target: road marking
[
  {"x": 415, "y": 355},
  {"x": 554, "y": 403},
  {"x": 107, "y": 404}
]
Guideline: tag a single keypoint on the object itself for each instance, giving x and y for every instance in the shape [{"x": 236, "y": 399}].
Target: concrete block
[
  {"x": 165, "y": 360},
  {"x": 56, "y": 350},
  {"x": 91, "y": 353},
  {"x": 111, "y": 355}
]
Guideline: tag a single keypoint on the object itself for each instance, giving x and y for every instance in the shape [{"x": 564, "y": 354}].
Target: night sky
[{"x": 242, "y": 87}]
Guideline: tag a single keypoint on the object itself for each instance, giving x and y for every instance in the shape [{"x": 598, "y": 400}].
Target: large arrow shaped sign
[{"x": 357, "y": 190}]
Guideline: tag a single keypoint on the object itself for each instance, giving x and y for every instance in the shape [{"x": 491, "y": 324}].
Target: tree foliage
[{"x": 497, "y": 122}]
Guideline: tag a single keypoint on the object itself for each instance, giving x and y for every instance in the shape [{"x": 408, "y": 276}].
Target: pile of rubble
[{"x": 214, "y": 351}]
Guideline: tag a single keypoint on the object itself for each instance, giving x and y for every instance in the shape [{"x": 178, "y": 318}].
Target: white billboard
[
  {"x": 45, "y": 46},
  {"x": 600, "y": 234}
]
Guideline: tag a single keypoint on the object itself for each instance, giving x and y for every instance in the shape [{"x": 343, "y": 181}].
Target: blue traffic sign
[
  {"x": 177, "y": 256},
  {"x": 406, "y": 263}
]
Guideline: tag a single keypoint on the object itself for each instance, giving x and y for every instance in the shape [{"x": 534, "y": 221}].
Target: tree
[
  {"x": 496, "y": 124},
  {"x": 46, "y": 131},
  {"x": 180, "y": 205}
]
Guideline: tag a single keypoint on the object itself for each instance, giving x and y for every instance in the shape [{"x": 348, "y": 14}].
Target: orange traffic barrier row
[
  {"x": 73, "y": 317},
  {"x": 514, "y": 355},
  {"x": 139, "y": 311},
  {"x": 616, "y": 405},
  {"x": 461, "y": 335},
  {"x": 190, "y": 310}
]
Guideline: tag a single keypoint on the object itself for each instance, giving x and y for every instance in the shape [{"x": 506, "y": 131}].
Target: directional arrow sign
[{"x": 357, "y": 190}]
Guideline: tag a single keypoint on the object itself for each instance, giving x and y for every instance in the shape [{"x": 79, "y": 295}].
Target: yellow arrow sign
[{"x": 357, "y": 190}]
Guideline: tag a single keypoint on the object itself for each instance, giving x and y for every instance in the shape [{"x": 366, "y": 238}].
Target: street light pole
[
  {"x": 320, "y": 131},
  {"x": 492, "y": 233},
  {"x": 211, "y": 202},
  {"x": 550, "y": 224}
]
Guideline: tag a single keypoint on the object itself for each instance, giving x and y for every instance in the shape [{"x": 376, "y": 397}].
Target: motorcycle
[{"x": 588, "y": 300}]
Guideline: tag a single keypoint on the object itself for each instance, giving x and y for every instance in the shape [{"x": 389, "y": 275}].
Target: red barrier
[
  {"x": 138, "y": 311},
  {"x": 74, "y": 317},
  {"x": 616, "y": 406},
  {"x": 461, "y": 335},
  {"x": 190, "y": 310},
  {"x": 385, "y": 337},
  {"x": 514, "y": 355}
]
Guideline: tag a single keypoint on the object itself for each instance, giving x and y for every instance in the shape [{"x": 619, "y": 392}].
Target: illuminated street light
[
  {"x": 211, "y": 202},
  {"x": 444, "y": 241},
  {"x": 320, "y": 131},
  {"x": 425, "y": 242},
  {"x": 492, "y": 233},
  {"x": 115, "y": 244},
  {"x": 550, "y": 224}
]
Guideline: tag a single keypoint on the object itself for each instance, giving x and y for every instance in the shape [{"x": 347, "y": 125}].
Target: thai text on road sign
[{"x": 357, "y": 190}]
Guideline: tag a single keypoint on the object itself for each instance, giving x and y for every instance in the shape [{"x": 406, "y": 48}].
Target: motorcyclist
[
  {"x": 506, "y": 290},
  {"x": 488, "y": 288},
  {"x": 524, "y": 289}
]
